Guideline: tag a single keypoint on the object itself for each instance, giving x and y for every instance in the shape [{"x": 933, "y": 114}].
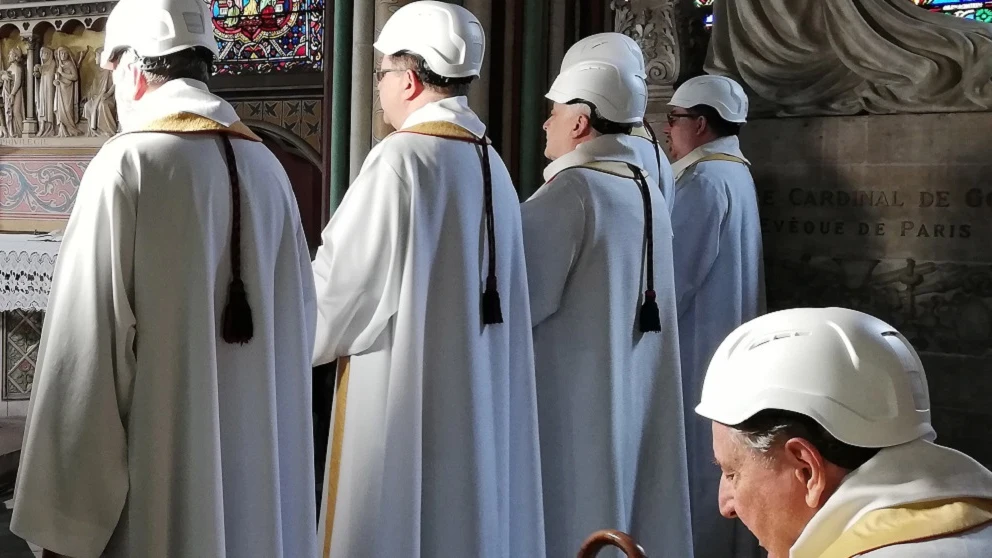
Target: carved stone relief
[
  {"x": 13, "y": 93},
  {"x": 67, "y": 93},
  {"x": 667, "y": 32},
  {"x": 844, "y": 57},
  {"x": 44, "y": 74},
  {"x": 53, "y": 92},
  {"x": 884, "y": 214},
  {"x": 100, "y": 110},
  {"x": 941, "y": 307}
]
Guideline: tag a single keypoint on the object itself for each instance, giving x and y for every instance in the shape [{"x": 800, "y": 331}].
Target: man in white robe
[
  {"x": 171, "y": 407},
  {"x": 719, "y": 272},
  {"x": 421, "y": 281},
  {"x": 625, "y": 53},
  {"x": 599, "y": 258},
  {"x": 821, "y": 425}
]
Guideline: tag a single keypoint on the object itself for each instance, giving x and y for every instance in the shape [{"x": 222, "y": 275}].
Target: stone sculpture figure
[
  {"x": 3, "y": 124},
  {"x": 67, "y": 94},
  {"x": 101, "y": 107},
  {"x": 45, "y": 92},
  {"x": 844, "y": 57},
  {"x": 13, "y": 93}
]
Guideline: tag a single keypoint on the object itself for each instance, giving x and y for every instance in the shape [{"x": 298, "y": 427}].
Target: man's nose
[{"x": 726, "y": 500}]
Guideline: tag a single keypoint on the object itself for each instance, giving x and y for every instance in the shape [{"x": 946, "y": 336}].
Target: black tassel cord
[
  {"x": 657, "y": 148},
  {"x": 492, "y": 312},
  {"x": 236, "y": 321},
  {"x": 650, "y": 317}
]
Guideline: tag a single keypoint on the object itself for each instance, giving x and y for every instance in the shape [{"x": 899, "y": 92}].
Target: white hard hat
[
  {"x": 157, "y": 28},
  {"x": 616, "y": 48},
  {"x": 722, "y": 93},
  {"x": 852, "y": 373},
  {"x": 619, "y": 96},
  {"x": 447, "y": 36}
]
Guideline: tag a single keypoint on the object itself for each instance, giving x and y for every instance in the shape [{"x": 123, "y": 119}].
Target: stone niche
[{"x": 891, "y": 215}]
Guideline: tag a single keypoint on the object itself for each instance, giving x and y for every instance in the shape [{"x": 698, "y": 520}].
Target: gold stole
[
  {"x": 333, "y": 474},
  {"x": 442, "y": 129},
  {"x": 189, "y": 123},
  {"x": 910, "y": 523},
  {"x": 713, "y": 157}
]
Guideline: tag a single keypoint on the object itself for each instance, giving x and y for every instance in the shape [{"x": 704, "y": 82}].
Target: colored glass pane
[
  {"x": 980, "y": 11},
  {"x": 268, "y": 36}
]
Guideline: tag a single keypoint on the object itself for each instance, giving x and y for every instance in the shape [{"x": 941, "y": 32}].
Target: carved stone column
[
  {"x": 672, "y": 38},
  {"x": 30, "y": 122},
  {"x": 362, "y": 83}
]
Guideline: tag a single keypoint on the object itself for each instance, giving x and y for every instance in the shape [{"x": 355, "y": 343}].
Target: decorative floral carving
[{"x": 656, "y": 32}]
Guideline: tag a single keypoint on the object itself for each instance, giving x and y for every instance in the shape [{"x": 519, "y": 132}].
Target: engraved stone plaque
[{"x": 875, "y": 186}]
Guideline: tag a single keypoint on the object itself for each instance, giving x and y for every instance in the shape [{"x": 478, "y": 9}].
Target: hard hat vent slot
[
  {"x": 776, "y": 336},
  {"x": 194, "y": 22}
]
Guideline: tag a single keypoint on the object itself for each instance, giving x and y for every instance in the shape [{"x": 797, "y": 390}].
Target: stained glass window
[
  {"x": 267, "y": 36},
  {"x": 980, "y": 11},
  {"x": 706, "y": 8}
]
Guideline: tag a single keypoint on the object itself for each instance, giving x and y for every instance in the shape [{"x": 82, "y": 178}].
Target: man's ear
[
  {"x": 412, "y": 86},
  {"x": 810, "y": 470},
  {"x": 139, "y": 81},
  {"x": 701, "y": 125},
  {"x": 582, "y": 126}
]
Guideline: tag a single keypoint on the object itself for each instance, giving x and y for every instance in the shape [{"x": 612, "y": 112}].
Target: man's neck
[
  {"x": 701, "y": 141},
  {"x": 420, "y": 102}
]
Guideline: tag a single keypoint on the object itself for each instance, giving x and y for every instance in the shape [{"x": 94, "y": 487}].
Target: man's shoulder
[
  {"x": 401, "y": 150},
  {"x": 593, "y": 180},
  {"x": 722, "y": 175}
]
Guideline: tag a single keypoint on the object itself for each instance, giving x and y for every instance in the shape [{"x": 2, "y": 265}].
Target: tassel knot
[
  {"x": 237, "y": 323},
  {"x": 492, "y": 312},
  {"x": 650, "y": 316}
]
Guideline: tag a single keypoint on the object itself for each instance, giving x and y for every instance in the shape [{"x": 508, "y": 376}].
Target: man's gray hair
[
  {"x": 761, "y": 442},
  {"x": 194, "y": 63},
  {"x": 770, "y": 428}
]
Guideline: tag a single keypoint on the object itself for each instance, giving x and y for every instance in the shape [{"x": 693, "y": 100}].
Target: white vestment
[
  {"x": 609, "y": 395},
  {"x": 654, "y": 161},
  {"x": 912, "y": 473},
  {"x": 439, "y": 451},
  {"x": 146, "y": 430},
  {"x": 719, "y": 278}
]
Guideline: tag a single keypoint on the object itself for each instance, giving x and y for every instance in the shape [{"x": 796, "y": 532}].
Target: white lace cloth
[{"x": 27, "y": 263}]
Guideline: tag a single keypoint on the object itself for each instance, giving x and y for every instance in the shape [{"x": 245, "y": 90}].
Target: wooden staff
[{"x": 602, "y": 539}]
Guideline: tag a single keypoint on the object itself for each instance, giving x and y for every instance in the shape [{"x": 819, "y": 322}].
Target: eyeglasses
[
  {"x": 673, "y": 117},
  {"x": 117, "y": 54},
  {"x": 379, "y": 74}
]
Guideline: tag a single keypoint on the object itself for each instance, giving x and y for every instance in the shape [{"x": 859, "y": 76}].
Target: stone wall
[{"x": 891, "y": 215}]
